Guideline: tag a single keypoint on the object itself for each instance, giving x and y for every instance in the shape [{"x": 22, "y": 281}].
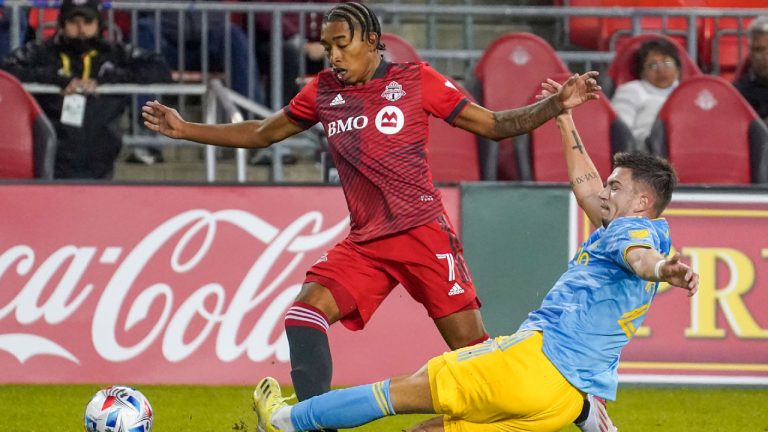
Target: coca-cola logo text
[{"x": 191, "y": 235}]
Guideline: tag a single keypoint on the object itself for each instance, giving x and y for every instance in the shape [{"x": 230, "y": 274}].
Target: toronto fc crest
[{"x": 393, "y": 91}]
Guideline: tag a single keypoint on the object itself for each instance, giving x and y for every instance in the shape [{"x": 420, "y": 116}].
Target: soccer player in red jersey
[{"x": 375, "y": 115}]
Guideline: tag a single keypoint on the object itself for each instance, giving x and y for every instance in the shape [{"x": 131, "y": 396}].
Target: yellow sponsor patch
[{"x": 638, "y": 234}]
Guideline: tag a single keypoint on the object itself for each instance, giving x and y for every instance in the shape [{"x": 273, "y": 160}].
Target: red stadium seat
[
  {"x": 606, "y": 33},
  {"x": 711, "y": 135},
  {"x": 28, "y": 140},
  {"x": 510, "y": 69},
  {"x": 398, "y": 49},
  {"x": 623, "y": 67},
  {"x": 600, "y": 129},
  {"x": 453, "y": 154}
]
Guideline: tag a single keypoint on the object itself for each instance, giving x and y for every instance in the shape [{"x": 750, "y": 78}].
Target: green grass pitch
[{"x": 45, "y": 408}]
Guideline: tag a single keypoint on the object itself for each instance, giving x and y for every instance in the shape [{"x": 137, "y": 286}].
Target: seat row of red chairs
[
  {"x": 705, "y": 128},
  {"x": 721, "y": 41}
]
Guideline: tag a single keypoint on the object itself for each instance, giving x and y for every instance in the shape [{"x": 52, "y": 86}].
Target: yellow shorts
[{"x": 507, "y": 384}]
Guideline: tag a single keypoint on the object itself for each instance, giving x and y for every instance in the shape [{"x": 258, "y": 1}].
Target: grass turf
[{"x": 39, "y": 408}]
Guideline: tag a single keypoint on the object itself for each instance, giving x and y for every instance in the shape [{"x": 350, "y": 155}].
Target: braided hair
[{"x": 356, "y": 13}]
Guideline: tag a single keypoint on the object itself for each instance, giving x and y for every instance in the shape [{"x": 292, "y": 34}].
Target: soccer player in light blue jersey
[{"x": 565, "y": 352}]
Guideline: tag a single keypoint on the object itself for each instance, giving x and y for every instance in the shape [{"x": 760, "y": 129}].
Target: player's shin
[
  {"x": 311, "y": 364},
  {"x": 345, "y": 408}
]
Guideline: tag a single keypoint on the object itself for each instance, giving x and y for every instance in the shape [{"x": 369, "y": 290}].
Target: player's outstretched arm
[
  {"x": 584, "y": 178},
  {"x": 652, "y": 266},
  {"x": 504, "y": 124},
  {"x": 248, "y": 134},
  {"x": 585, "y": 181}
]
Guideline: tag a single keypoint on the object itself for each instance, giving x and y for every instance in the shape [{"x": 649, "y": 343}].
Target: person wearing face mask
[
  {"x": 638, "y": 102},
  {"x": 78, "y": 59}
]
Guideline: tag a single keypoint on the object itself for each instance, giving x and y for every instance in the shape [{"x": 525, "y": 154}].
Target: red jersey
[{"x": 377, "y": 135}]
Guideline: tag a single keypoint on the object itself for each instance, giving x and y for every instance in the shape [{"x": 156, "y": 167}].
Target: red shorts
[{"x": 427, "y": 260}]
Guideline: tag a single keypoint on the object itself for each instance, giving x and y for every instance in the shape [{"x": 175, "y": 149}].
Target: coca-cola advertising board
[
  {"x": 180, "y": 284},
  {"x": 720, "y": 335}
]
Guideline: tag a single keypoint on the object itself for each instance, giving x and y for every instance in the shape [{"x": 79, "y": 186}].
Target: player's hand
[
  {"x": 680, "y": 275},
  {"x": 578, "y": 89},
  {"x": 551, "y": 87},
  {"x": 162, "y": 119}
]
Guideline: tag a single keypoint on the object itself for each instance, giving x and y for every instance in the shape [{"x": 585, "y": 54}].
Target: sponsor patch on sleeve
[{"x": 638, "y": 234}]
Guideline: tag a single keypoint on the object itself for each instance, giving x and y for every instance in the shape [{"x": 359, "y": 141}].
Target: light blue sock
[{"x": 343, "y": 409}]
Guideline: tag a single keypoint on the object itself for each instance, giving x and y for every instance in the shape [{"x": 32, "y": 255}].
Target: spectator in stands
[
  {"x": 79, "y": 59},
  {"x": 638, "y": 102},
  {"x": 753, "y": 84}
]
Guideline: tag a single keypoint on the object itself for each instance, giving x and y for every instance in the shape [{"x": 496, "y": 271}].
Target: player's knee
[
  {"x": 463, "y": 328},
  {"x": 320, "y": 298},
  {"x": 305, "y": 316}
]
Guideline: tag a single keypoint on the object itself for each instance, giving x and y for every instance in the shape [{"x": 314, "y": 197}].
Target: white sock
[{"x": 281, "y": 419}]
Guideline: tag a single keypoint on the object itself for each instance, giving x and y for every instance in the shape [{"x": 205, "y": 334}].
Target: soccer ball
[{"x": 118, "y": 409}]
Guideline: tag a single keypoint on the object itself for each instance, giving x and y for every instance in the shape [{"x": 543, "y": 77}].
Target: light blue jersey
[{"x": 597, "y": 305}]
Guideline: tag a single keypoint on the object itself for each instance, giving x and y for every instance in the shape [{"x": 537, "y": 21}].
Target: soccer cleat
[
  {"x": 597, "y": 420},
  {"x": 267, "y": 399}
]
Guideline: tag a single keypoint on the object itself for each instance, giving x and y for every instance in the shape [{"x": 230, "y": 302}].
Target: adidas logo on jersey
[
  {"x": 455, "y": 290},
  {"x": 338, "y": 100}
]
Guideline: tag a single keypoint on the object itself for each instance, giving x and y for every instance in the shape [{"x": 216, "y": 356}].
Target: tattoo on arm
[
  {"x": 592, "y": 175},
  {"x": 578, "y": 145},
  {"x": 522, "y": 120}
]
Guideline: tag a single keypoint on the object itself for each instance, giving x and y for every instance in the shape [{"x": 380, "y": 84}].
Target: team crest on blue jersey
[{"x": 393, "y": 91}]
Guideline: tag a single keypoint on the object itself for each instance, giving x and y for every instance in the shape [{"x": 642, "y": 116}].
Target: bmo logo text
[
  {"x": 389, "y": 120},
  {"x": 350, "y": 123}
]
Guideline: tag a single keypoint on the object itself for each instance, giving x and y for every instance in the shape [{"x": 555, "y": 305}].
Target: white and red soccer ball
[{"x": 118, "y": 409}]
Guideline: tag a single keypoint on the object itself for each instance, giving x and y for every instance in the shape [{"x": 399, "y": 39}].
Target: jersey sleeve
[
  {"x": 625, "y": 233},
  {"x": 441, "y": 97},
  {"x": 302, "y": 108}
]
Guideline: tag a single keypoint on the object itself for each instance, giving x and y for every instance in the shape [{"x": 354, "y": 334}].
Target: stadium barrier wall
[
  {"x": 188, "y": 284},
  {"x": 179, "y": 284}
]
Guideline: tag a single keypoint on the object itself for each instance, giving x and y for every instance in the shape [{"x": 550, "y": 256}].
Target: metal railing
[
  {"x": 220, "y": 98},
  {"x": 218, "y": 102}
]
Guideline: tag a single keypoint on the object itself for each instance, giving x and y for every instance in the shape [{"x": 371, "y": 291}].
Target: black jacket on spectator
[
  {"x": 88, "y": 151},
  {"x": 755, "y": 91}
]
